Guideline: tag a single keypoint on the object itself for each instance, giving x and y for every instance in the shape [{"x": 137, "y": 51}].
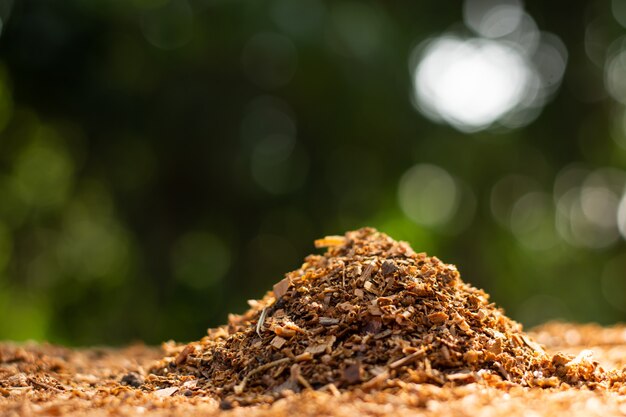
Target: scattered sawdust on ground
[
  {"x": 370, "y": 328},
  {"x": 43, "y": 380}
]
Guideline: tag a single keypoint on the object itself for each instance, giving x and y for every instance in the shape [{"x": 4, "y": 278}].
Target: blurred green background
[{"x": 162, "y": 161}]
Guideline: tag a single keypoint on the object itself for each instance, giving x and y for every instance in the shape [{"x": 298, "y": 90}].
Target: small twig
[
  {"x": 407, "y": 359},
  {"x": 261, "y": 321},
  {"x": 44, "y": 385},
  {"x": 527, "y": 343},
  {"x": 502, "y": 371},
  {"x": 240, "y": 387},
  {"x": 387, "y": 284},
  {"x": 376, "y": 380},
  {"x": 304, "y": 382},
  {"x": 368, "y": 271},
  {"x": 332, "y": 388},
  {"x": 400, "y": 362}
]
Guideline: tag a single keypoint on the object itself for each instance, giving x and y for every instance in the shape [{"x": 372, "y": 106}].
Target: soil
[{"x": 368, "y": 328}]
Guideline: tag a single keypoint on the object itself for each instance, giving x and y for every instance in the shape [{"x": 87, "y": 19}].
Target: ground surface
[{"x": 37, "y": 380}]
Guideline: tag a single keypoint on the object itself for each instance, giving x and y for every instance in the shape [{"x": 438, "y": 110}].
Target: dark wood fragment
[{"x": 352, "y": 373}]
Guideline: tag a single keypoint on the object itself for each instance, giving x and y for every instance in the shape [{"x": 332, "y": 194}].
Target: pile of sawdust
[{"x": 369, "y": 314}]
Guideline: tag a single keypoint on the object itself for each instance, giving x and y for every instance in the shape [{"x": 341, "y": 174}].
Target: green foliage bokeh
[{"x": 151, "y": 182}]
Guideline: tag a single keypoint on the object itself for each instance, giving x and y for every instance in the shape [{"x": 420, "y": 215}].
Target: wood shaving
[
  {"x": 394, "y": 316},
  {"x": 378, "y": 365}
]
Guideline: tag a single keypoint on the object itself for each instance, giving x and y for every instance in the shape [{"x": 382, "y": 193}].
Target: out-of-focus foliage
[{"x": 162, "y": 161}]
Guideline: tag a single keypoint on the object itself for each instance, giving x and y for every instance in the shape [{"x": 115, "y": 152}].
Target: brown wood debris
[
  {"x": 91, "y": 386},
  {"x": 370, "y": 313}
]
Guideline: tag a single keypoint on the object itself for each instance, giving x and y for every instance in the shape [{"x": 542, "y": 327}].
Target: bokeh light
[
  {"x": 358, "y": 28},
  {"x": 586, "y": 213},
  {"x": 470, "y": 83},
  {"x": 597, "y": 40},
  {"x": 532, "y": 221},
  {"x": 43, "y": 172},
  {"x": 614, "y": 71},
  {"x": 618, "y": 7},
  {"x": 5, "y": 13},
  {"x": 505, "y": 194},
  {"x": 92, "y": 244},
  {"x": 493, "y": 19},
  {"x": 278, "y": 165},
  {"x": 621, "y": 216},
  {"x": 504, "y": 76},
  {"x": 266, "y": 116},
  {"x": 200, "y": 260},
  {"x": 428, "y": 195}
]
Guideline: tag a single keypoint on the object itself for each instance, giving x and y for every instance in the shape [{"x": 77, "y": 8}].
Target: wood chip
[
  {"x": 284, "y": 331},
  {"x": 367, "y": 272},
  {"x": 328, "y": 321},
  {"x": 352, "y": 373},
  {"x": 278, "y": 342},
  {"x": 438, "y": 317},
  {"x": 165, "y": 392},
  {"x": 330, "y": 241},
  {"x": 184, "y": 354},
  {"x": 373, "y": 326},
  {"x": 281, "y": 288},
  {"x": 388, "y": 267}
]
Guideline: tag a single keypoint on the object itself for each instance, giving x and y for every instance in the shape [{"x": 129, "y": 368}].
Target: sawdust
[
  {"x": 370, "y": 328},
  {"x": 370, "y": 315},
  {"x": 43, "y": 380}
]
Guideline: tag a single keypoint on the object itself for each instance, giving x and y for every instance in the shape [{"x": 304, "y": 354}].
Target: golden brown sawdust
[
  {"x": 370, "y": 315},
  {"x": 38, "y": 380},
  {"x": 370, "y": 328}
]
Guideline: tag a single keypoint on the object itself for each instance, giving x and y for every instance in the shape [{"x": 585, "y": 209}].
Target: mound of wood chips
[{"x": 369, "y": 315}]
